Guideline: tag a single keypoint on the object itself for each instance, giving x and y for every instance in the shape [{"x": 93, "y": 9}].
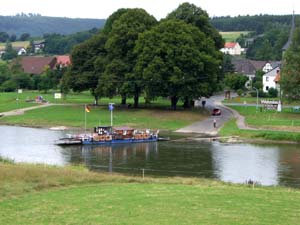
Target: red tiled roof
[
  {"x": 36, "y": 65},
  {"x": 230, "y": 44},
  {"x": 63, "y": 60}
]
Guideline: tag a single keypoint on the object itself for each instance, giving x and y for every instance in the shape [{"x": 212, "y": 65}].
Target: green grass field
[
  {"x": 285, "y": 120},
  {"x": 74, "y": 116},
  {"x": 156, "y": 115},
  {"x": 232, "y": 35},
  {"x": 8, "y": 100},
  {"x": 32, "y": 194},
  {"x": 271, "y": 125},
  {"x": 16, "y": 44}
]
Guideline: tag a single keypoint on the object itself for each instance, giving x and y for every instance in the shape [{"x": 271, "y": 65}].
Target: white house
[
  {"x": 21, "y": 51},
  {"x": 271, "y": 79},
  {"x": 270, "y": 65},
  {"x": 232, "y": 48}
]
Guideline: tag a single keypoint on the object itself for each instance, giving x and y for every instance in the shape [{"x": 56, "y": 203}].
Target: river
[{"x": 275, "y": 164}]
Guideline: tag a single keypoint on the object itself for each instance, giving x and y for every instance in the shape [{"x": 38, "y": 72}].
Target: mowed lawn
[
  {"x": 32, "y": 194},
  {"x": 231, "y": 36},
  {"x": 270, "y": 119},
  {"x": 74, "y": 116},
  {"x": 154, "y": 204}
]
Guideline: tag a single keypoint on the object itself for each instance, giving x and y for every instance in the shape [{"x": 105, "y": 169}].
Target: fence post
[{"x": 143, "y": 174}]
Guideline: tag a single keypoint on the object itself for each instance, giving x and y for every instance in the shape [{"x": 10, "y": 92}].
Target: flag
[
  {"x": 110, "y": 107},
  {"x": 87, "y": 109}
]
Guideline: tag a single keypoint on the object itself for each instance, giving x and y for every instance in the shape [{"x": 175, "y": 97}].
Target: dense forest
[
  {"x": 37, "y": 25},
  {"x": 258, "y": 24}
]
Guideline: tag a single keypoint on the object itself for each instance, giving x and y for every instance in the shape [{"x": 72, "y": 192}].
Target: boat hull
[{"x": 92, "y": 142}]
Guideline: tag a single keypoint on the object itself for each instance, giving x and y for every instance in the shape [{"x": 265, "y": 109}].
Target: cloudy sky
[{"x": 159, "y": 8}]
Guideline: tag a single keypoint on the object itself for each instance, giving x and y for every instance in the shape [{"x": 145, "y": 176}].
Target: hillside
[
  {"x": 258, "y": 23},
  {"x": 38, "y": 25}
]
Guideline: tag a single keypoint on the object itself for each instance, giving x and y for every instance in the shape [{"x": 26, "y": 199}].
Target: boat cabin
[
  {"x": 123, "y": 132},
  {"x": 103, "y": 130}
]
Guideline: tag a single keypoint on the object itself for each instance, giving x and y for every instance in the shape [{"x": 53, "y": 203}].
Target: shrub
[
  {"x": 273, "y": 93},
  {"x": 9, "y": 86}
]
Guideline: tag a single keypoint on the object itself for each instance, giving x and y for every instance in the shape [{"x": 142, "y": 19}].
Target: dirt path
[{"x": 21, "y": 111}]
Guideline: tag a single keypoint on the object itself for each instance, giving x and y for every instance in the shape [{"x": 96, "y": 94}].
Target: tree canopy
[
  {"x": 198, "y": 17},
  {"x": 134, "y": 54},
  {"x": 290, "y": 73},
  {"x": 177, "y": 60}
]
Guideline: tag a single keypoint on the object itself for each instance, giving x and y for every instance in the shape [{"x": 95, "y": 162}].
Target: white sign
[
  {"x": 57, "y": 95},
  {"x": 20, "y": 91}
]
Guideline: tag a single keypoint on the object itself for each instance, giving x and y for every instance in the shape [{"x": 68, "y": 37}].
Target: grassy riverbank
[
  {"x": 32, "y": 194},
  {"x": 269, "y": 125},
  {"x": 270, "y": 119},
  {"x": 12, "y": 100},
  {"x": 74, "y": 116},
  {"x": 155, "y": 115}
]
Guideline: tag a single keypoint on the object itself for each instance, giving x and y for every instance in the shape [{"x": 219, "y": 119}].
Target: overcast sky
[{"x": 101, "y": 9}]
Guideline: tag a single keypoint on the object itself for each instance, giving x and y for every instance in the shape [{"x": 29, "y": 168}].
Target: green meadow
[
  {"x": 37, "y": 194},
  {"x": 16, "y": 44},
  {"x": 70, "y": 112},
  {"x": 231, "y": 36}
]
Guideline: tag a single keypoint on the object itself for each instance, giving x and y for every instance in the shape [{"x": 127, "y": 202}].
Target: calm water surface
[{"x": 267, "y": 164}]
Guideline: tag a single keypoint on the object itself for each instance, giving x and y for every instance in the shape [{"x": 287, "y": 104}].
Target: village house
[
  {"x": 38, "y": 46},
  {"x": 63, "y": 61},
  {"x": 37, "y": 65},
  {"x": 232, "y": 48},
  {"x": 271, "y": 79},
  {"x": 249, "y": 67},
  {"x": 20, "y": 50}
]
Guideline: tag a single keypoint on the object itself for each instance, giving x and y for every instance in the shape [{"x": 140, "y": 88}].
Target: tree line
[
  {"x": 13, "y": 77},
  {"x": 258, "y": 23},
  {"x": 290, "y": 73},
  {"x": 36, "y": 25},
  {"x": 135, "y": 55}
]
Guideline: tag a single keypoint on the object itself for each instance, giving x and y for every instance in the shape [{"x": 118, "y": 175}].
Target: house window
[
  {"x": 267, "y": 79},
  {"x": 267, "y": 88}
]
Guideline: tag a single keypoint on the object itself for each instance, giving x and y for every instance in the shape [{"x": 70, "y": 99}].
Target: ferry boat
[{"x": 111, "y": 135}]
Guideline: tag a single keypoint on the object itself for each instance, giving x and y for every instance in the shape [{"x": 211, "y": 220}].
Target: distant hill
[
  {"x": 258, "y": 23},
  {"x": 37, "y": 25}
]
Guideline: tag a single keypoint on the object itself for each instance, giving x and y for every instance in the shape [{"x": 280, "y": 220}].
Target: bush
[
  {"x": 273, "y": 93},
  {"x": 9, "y": 86},
  {"x": 239, "y": 92},
  {"x": 261, "y": 94}
]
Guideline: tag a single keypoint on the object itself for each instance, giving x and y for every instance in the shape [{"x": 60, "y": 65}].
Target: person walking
[{"x": 215, "y": 123}]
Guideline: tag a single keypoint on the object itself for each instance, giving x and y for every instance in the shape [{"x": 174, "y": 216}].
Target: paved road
[{"x": 206, "y": 127}]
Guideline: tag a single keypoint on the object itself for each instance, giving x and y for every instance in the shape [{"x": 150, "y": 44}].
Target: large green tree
[
  {"x": 290, "y": 73},
  {"x": 83, "y": 74},
  {"x": 177, "y": 60},
  {"x": 198, "y": 17},
  {"x": 5, "y": 74},
  {"x": 120, "y": 45},
  {"x": 10, "y": 53}
]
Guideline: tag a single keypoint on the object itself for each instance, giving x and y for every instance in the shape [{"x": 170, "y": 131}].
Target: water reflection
[
  {"x": 267, "y": 164},
  {"x": 239, "y": 163},
  {"x": 30, "y": 145}
]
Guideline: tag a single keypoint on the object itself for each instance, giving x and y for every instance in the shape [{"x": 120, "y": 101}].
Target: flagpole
[
  {"x": 84, "y": 119},
  {"x": 111, "y": 107},
  {"x": 111, "y": 117}
]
